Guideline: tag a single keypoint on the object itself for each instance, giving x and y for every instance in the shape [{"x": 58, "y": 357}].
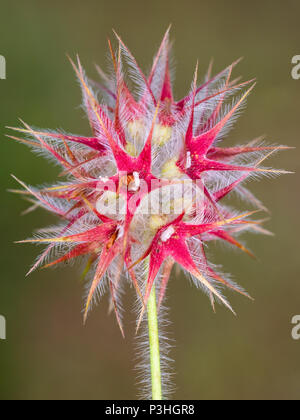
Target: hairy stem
[{"x": 154, "y": 346}]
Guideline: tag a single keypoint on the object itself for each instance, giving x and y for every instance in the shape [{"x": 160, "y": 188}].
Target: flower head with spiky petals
[{"x": 124, "y": 202}]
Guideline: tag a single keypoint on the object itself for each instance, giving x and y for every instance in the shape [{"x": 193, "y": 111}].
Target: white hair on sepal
[
  {"x": 125, "y": 114},
  {"x": 172, "y": 62},
  {"x": 258, "y": 229},
  {"x": 60, "y": 137},
  {"x": 53, "y": 250},
  {"x": 137, "y": 128},
  {"x": 52, "y": 229},
  {"x": 61, "y": 204},
  {"x": 106, "y": 90},
  {"x": 46, "y": 154},
  {"x": 212, "y": 84},
  {"x": 34, "y": 205},
  {"x": 40, "y": 259},
  {"x": 88, "y": 107},
  {"x": 143, "y": 354},
  {"x": 253, "y": 228},
  {"x": 55, "y": 140},
  {"x": 178, "y": 135},
  {"x": 140, "y": 89},
  {"x": 236, "y": 231},
  {"x": 224, "y": 245},
  {"x": 232, "y": 286},
  {"x": 182, "y": 120},
  {"x": 195, "y": 247},
  {"x": 37, "y": 149},
  {"x": 252, "y": 158},
  {"x": 216, "y": 285},
  {"x": 102, "y": 288},
  {"x": 58, "y": 251},
  {"x": 230, "y": 123},
  {"x": 256, "y": 158},
  {"x": 165, "y": 58},
  {"x": 218, "y": 269},
  {"x": 216, "y": 181},
  {"x": 144, "y": 126},
  {"x": 202, "y": 107},
  {"x": 58, "y": 206},
  {"x": 42, "y": 238},
  {"x": 125, "y": 111},
  {"x": 158, "y": 76},
  {"x": 81, "y": 225},
  {"x": 107, "y": 77},
  {"x": 207, "y": 106},
  {"x": 99, "y": 166},
  {"x": 98, "y": 162},
  {"x": 100, "y": 132},
  {"x": 219, "y": 78},
  {"x": 78, "y": 261},
  {"x": 117, "y": 278},
  {"x": 87, "y": 220},
  {"x": 110, "y": 75},
  {"x": 263, "y": 171},
  {"x": 248, "y": 197},
  {"x": 94, "y": 117}
]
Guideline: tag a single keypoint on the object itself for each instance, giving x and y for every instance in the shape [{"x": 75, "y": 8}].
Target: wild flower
[{"x": 147, "y": 189}]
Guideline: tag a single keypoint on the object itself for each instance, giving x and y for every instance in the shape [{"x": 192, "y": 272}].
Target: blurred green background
[{"x": 48, "y": 354}]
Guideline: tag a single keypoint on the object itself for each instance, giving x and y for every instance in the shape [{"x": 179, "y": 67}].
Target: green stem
[{"x": 154, "y": 346}]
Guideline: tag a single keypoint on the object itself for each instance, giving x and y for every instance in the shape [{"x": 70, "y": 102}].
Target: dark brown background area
[{"x": 48, "y": 353}]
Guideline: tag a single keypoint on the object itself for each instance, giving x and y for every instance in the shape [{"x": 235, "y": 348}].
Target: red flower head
[{"x": 147, "y": 189}]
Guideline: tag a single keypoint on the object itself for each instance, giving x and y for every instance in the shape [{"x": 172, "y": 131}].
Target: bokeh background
[{"x": 48, "y": 354}]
